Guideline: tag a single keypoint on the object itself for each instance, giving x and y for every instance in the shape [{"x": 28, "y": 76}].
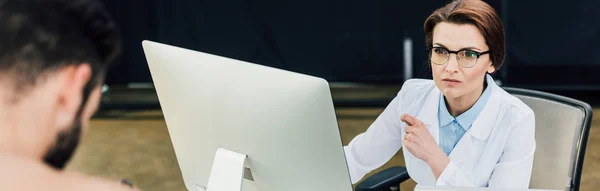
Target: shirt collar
[{"x": 467, "y": 118}]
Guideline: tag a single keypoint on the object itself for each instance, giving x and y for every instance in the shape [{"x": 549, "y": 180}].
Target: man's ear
[{"x": 73, "y": 81}]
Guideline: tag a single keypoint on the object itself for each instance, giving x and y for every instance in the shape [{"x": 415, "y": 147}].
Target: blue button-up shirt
[{"x": 453, "y": 128}]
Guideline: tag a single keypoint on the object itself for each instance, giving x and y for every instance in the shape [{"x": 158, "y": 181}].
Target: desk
[{"x": 437, "y": 188}]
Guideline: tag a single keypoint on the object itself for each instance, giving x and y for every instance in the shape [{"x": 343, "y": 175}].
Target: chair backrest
[{"x": 562, "y": 127}]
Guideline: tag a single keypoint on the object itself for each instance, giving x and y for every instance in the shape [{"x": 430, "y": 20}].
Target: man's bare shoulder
[{"x": 24, "y": 174}]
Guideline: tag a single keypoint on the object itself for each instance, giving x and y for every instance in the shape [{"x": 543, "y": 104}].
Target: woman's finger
[
  {"x": 411, "y": 121},
  {"x": 411, "y": 129},
  {"x": 408, "y": 119},
  {"x": 405, "y": 142}
]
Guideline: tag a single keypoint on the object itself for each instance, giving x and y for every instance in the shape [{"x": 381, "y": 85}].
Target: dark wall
[
  {"x": 137, "y": 20},
  {"x": 340, "y": 40},
  {"x": 554, "y": 44},
  {"x": 550, "y": 44}
]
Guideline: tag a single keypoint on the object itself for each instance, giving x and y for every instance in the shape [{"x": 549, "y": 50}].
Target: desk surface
[{"x": 436, "y": 188}]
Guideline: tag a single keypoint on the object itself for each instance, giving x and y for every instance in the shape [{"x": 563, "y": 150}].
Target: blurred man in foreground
[{"x": 53, "y": 57}]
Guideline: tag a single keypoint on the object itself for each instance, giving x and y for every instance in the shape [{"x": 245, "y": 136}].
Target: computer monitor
[{"x": 282, "y": 122}]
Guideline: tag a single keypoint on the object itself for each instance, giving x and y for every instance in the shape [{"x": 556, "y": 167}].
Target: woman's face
[{"x": 454, "y": 80}]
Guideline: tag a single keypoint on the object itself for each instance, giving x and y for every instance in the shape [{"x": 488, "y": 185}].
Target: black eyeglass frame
[{"x": 456, "y": 52}]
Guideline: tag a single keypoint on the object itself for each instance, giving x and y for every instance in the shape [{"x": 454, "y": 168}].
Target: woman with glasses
[{"x": 459, "y": 129}]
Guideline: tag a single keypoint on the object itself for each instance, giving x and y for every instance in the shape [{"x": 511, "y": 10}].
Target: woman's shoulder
[
  {"x": 415, "y": 92},
  {"x": 417, "y": 86},
  {"x": 514, "y": 104},
  {"x": 418, "y": 82},
  {"x": 514, "y": 110}
]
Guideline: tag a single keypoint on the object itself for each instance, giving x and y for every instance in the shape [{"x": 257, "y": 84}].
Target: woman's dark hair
[{"x": 477, "y": 13}]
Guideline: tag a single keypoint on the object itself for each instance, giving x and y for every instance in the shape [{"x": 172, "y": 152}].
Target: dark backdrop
[
  {"x": 551, "y": 44},
  {"x": 554, "y": 44}
]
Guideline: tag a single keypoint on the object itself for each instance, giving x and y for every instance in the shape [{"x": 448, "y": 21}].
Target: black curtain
[
  {"x": 137, "y": 20},
  {"x": 551, "y": 44},
  {"x": 339, "y": 40}
]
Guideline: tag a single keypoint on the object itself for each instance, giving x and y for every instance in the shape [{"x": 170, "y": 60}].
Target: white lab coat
[{"x": 497, "y": 151}]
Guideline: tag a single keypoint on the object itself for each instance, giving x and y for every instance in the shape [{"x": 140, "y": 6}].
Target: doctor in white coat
[{"x": 459, "y": 129}]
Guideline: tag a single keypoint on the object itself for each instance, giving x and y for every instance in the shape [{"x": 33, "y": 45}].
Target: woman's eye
[
  {"x": 439, "y": 51},
  {"x": 471, "y": 54}
]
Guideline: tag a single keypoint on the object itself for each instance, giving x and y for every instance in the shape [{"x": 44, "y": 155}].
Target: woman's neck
[{"x": 461, "y": 104}]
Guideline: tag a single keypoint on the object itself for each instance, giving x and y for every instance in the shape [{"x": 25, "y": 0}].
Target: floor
[{"x": 136, "y": 145}]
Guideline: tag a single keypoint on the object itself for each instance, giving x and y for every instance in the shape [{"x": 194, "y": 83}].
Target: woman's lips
[{"x": 451, "y": 82}]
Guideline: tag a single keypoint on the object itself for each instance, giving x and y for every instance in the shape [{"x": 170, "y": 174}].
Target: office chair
[{"x": 562, "y": 128}]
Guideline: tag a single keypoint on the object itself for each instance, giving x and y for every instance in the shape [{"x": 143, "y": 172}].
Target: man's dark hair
[{"x": 39, "y": 36}]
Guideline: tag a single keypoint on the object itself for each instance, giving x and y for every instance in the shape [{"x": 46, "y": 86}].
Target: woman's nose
[{"x": 452, "y": 65}]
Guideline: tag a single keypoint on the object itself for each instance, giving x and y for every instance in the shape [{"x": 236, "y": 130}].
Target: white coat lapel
[
  {"x": 429, "y": 113},
  {"x": 480, "y": 129}
]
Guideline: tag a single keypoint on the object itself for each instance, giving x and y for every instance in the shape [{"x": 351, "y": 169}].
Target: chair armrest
[{"x": 391, "y": 177}]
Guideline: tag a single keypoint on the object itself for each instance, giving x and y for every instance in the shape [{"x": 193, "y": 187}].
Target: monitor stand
[{"x": 228, "y": 171}]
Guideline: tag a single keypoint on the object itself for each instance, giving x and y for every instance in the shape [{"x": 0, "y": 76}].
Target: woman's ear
[{"x": 491, "y": 69}]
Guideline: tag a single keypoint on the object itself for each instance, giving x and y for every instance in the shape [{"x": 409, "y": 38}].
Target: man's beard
[{"x": 66, "y": 144}]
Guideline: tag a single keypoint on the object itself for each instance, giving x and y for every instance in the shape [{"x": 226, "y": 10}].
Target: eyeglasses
[{"x": 465, "y": 57}]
